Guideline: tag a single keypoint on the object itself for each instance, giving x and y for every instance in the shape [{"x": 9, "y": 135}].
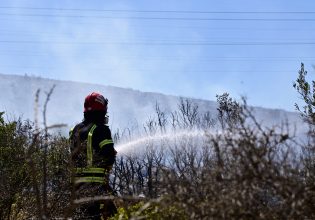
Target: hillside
[{"x": 127, "y": 107}]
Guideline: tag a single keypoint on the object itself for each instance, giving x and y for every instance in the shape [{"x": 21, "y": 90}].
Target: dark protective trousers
[{"x": 89, "y": 208}]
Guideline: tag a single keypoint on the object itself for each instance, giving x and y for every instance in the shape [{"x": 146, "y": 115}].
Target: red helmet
[{"x": 95, "y": 102}]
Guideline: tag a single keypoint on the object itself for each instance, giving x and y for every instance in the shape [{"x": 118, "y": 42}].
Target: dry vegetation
[{"x": 242, "y": 171}]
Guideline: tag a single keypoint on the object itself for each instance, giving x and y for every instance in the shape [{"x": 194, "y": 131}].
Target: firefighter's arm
[{"x": 107, "y": 150}]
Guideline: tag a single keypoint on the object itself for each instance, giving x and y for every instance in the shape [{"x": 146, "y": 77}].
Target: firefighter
[{"x": 93, "y": 155}]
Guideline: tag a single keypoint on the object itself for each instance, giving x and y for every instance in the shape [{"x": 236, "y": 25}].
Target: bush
[{"x": 150, "y": 210}]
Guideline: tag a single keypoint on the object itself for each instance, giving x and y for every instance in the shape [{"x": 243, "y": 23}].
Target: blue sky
[{"x": 188, "y": 48}]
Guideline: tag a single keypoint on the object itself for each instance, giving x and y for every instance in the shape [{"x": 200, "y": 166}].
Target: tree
[
  {"x": 307, "y": 94},
  {"x": 229, "y": 111},
  {"x": 306, "y": 91},
  {"x": 13, "y": 169}
]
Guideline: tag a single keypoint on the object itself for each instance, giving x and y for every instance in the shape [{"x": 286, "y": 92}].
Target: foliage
[
  {"x": 150, "y": 211},
  {"x": 238, "y": 169},
  {"x": 13, "y": 169},
  {"x": 307, "y": 92},
  {"x": 29, "y": 158},
  {"x": 229, "y": 111}
]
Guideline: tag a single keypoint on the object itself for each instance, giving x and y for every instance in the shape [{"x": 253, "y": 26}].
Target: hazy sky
[{"x": 196, "y": 48}]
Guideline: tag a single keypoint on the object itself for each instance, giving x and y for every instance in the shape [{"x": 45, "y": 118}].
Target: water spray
[{"x": 129, "y": 146}]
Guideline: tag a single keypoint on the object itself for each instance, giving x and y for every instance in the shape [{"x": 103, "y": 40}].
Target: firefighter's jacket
[{"x": 93, "y": 153}]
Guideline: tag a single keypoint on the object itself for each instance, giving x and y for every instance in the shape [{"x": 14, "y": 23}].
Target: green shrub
[{"x": 149, "y": 210}]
